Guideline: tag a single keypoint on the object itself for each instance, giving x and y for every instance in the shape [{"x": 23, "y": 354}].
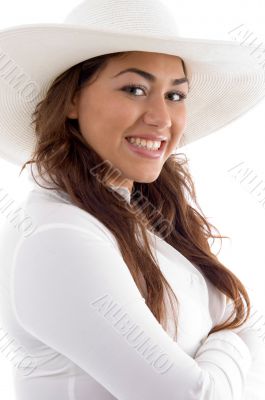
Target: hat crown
[{"x": 148, "y": 17}]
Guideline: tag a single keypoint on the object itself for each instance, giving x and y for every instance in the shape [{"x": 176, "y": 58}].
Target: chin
[{"x": 146, "y": 179}]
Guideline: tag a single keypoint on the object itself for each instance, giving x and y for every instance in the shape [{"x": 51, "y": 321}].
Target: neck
[{"x": 123, "y": 191}]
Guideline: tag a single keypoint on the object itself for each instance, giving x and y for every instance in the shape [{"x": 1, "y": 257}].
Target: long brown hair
[{"x": 68, "y": 160}]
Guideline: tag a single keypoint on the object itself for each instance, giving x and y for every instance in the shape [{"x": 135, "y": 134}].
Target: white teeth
[{"x": 149, "y": 144}]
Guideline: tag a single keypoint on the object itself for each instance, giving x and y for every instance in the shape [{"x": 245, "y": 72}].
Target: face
[{"x": 109, "y": 111}]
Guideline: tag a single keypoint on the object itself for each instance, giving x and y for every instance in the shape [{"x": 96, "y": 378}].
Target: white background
[{"x": 233, "y": 207}]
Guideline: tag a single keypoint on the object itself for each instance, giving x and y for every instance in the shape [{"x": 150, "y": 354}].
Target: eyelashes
[{"x": 131, "y": 86}]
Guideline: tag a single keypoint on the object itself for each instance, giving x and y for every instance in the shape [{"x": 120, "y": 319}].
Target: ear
[{"x": 73, "y": 108}]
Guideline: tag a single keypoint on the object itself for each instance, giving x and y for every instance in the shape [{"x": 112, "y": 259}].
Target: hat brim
[{"x": 225, "y": 79}]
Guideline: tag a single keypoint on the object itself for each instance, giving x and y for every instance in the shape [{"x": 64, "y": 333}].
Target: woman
[{"x": 108, "y": 281}]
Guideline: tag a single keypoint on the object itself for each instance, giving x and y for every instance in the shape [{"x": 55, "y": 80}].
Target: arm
[
  {"x": 72, "y": 290},
  {"x": 252, "y": 332}
]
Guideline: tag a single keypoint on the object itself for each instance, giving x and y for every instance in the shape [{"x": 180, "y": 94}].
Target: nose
[{"x": 158, "y": 114}]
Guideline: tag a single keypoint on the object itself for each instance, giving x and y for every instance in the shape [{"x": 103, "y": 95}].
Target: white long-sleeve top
[{"x": 78, "y": 327}]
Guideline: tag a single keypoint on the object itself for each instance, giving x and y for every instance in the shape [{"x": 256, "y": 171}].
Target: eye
[{"x": 132, "y": 87}]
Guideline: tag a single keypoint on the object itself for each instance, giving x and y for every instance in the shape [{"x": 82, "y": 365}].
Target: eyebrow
[{"x": 150, "y": 77}]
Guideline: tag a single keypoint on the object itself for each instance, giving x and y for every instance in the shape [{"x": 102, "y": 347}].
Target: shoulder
[{"x": 46, "y": 209}]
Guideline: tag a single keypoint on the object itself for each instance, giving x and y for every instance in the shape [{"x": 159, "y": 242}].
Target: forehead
[{"x": 150, "y": 60}]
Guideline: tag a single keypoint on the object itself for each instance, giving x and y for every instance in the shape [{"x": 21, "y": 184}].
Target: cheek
[
  {"x": 180, "y": 121},
  {"x": 105, "y": 106},
  {"x": 115, "y": 118},
  {"x": 101, "y": 119}
]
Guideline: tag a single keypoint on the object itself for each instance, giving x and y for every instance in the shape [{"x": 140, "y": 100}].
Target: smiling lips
[
  {"x": 148, "y": 144},
  {"x": 150, "y": 149},
  {"x": 149, "y": 136}
]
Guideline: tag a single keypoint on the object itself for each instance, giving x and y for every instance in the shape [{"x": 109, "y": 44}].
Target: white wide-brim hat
[{"x": 225, "y": 79}]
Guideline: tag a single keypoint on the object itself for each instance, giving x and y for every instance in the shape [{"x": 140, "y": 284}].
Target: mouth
[
  {"x": 143, "y": 151},
  {"x": 158, "y": 140}
]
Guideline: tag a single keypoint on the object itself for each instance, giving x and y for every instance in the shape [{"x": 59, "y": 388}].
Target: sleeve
[
  {"x": 72, "y": 290},
  {"x": 252, "y": 332}
]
